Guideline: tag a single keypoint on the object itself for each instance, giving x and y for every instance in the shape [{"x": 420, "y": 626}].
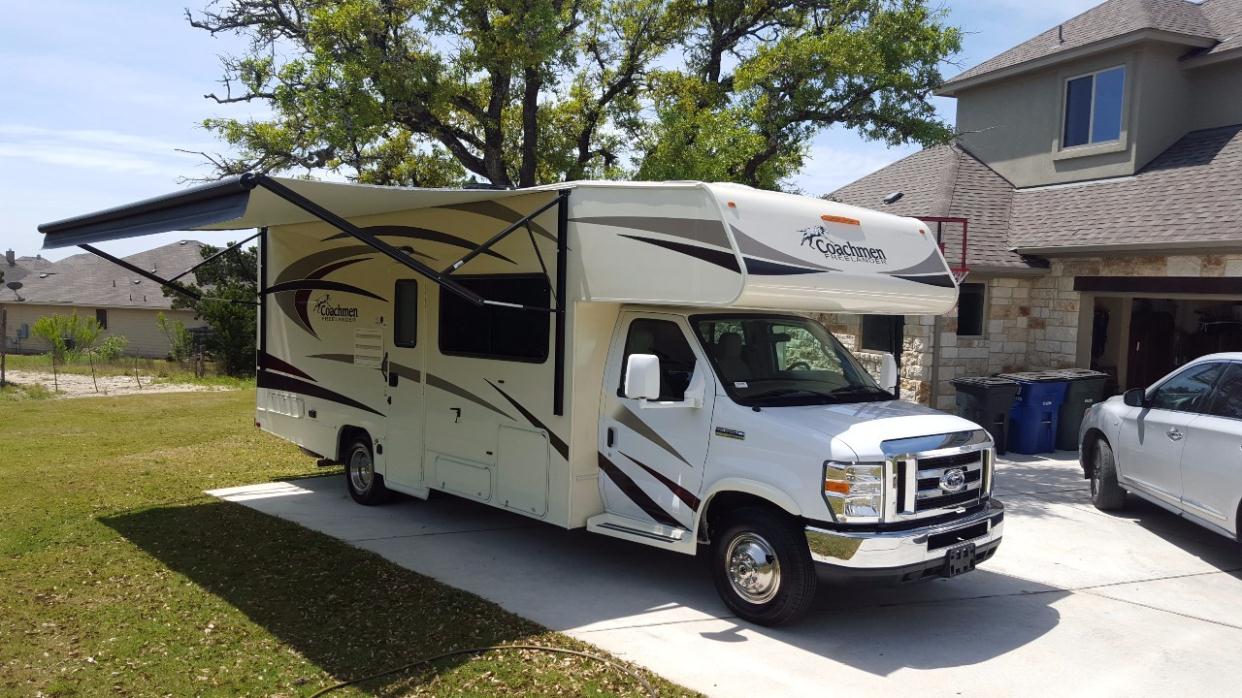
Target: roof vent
[
  {"x": 11, "y": 257},
  {"x": 137, "y": 281},
  {"x": 1060, "y": 33}
]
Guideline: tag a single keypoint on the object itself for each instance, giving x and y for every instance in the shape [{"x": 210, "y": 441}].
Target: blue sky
[{"x": 96, "y": 98}]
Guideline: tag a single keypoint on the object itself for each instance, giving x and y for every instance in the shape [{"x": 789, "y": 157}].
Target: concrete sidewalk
[{"x": 1076, "y": 602}]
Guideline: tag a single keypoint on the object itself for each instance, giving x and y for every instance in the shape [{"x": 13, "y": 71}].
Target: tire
[
  {"x": 365, "y": 485},
  {"x": 781, "y": 587},
  {"x": 1106, "y": 494}
]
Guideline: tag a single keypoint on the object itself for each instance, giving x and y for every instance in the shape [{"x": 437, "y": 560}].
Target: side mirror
[
  {"x": 1135, "y": 397},
  {"x": 642, "y": 377},
  {"x": 888, "y": 372}
]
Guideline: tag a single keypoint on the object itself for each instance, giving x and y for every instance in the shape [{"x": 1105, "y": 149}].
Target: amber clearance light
[{"x": 839, "y": 219}]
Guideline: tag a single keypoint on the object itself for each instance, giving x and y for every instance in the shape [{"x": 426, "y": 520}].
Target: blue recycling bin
[{"x": 1034, "y": 416}]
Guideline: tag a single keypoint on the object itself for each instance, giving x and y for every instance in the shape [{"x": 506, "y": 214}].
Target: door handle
[
  {"x": 610, "y": 437},
  {"x": 1174, "y": 434},
  {"x": 456, "y": 414}
]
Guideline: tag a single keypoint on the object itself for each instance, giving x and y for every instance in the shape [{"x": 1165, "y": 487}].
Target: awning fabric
[{"x": 237, "y": 203}]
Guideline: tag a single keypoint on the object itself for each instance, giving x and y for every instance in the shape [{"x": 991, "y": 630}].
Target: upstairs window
[{"x": 1093, "y": 107}]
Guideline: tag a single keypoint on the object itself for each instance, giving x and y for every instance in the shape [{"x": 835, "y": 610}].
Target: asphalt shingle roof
[
  {"x": 1191, "y": 192},
  {"x": 946, "y": 180},
  {"x": 1218, "y": 20},
  {"x": 90, "y": 281}
]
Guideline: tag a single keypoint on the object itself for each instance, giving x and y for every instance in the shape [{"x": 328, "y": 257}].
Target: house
[
  {"x": 122, "y": 302},
  {"x": 1099, "y": 166}
]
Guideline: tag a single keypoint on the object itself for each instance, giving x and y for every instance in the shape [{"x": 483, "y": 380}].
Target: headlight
[{"x": 854, "y": 491}]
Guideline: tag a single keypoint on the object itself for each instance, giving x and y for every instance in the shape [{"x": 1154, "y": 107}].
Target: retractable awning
[{"x": 246, "y": 201}]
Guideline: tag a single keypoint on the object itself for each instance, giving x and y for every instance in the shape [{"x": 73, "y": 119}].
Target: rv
[{"x": 631, "y": 358}]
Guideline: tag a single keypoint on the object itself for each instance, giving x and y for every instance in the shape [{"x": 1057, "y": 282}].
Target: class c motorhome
[{"x": 627, "y": 357}]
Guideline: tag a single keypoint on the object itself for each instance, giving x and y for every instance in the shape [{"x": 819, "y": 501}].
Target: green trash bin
[
  {"x": 986, "y": 400},
  {"x": 1086, "y": 387}
]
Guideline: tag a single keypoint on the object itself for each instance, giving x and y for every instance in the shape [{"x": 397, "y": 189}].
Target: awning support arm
[
  {"x": 368, "y": 239},
  {"x": 524, "y": 220},
  {"x": 213, "y": 257},
  {"x": 167, "y": 283}
]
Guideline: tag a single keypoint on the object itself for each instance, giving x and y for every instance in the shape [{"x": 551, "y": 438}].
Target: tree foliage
[
  {"x": 522, "y": 92},
  {"x": 229, "y": 286}
]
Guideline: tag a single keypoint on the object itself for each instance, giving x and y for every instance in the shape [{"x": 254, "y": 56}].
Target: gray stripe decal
[
  {"x": 703, "y": 230},
  {"x": 438, "y": 382},
  {"x": 626, "y": 417},
  {"x": 753, "y": 248},
  {"x": 931, "y": 265},
  {"x": 491, "y": 209}
]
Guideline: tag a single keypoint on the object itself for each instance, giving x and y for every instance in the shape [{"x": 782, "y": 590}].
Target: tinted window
[
  {"x": 1227, "y": 401},
  {"x": 405, "y": 322},
  {"x": 970, "y": 310},
  {"x": 881, "y": 333},
  {"x": 1093, "y": 107},
  {"x": 489, "y": 331},
  {"x": 1106, "y": 124},
  {"x": 101, "y": 317},
  {"x": 1077, "y": 111},
  {"x": 1188, "y": 390},
  {"x": 666, "y": 341}
]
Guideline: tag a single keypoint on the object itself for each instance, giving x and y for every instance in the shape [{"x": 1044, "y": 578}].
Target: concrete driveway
[{"x": 1076, "y": 602}]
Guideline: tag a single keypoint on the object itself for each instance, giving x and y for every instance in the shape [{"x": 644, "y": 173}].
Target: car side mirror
[
  {"x": 888, "y": 372},
  {"x": 1135, "y": 397},
  {"x": 642, "y": 377}
]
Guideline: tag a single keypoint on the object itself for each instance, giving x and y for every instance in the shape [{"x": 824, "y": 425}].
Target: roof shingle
[
  {"x": 1216, "y": 20},
  {"x": 87, "y": 280},
  {"x": 1191, "y": 192}
]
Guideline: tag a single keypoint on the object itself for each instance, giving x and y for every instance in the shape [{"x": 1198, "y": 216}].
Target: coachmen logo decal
[
  {"x": 953, "y": 480},
  {"x": 817, "y": 238},
  {"x": 333, "y": 312}
]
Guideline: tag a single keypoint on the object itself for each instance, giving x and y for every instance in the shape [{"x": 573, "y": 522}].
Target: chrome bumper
[{"x": 847, "y": 550}]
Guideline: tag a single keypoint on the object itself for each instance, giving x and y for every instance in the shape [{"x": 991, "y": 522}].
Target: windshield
[{"x": 779, "y": 361}]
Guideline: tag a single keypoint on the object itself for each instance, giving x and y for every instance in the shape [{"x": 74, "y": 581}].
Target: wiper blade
[{"x": 858, "y": 389}]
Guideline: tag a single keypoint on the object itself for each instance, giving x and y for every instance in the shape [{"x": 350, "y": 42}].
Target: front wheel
[
  {"x": 762, "y": 568},
  {"x": 365, "y": 485},
  {"x": 1106, "y": 493}
]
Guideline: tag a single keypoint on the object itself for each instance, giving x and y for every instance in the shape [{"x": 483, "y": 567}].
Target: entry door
[
  {"x": 1153, "y": 438},
  {"x": 1212, "y": 459},
  {"x": 403, "y": 455},
  {"x": 651, "y": 458}
]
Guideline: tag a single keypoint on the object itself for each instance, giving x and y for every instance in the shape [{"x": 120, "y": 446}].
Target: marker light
[{"x": 839, "y": 219}]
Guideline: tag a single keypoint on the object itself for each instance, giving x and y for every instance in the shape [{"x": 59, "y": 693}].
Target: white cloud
[{"x": 97, "y": 149}]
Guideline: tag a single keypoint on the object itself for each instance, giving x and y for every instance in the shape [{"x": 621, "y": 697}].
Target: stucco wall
[
  {"x": 1215, "y": 95},
  {"x": 136, "y": 325}
]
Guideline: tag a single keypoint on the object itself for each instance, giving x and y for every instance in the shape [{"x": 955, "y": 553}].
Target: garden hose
[{"x": 477, "y": 650}]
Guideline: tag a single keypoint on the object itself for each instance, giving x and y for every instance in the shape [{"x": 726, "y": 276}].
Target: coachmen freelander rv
[{"x": 625, "y": 357}]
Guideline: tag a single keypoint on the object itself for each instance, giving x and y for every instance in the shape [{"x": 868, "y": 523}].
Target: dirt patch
[{"x": 77, "y": 385}]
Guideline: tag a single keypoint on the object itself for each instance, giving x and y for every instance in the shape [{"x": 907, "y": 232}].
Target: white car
[{"x": 1177, "y": 444}]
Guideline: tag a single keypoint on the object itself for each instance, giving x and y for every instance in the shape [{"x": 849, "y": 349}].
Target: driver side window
[
  {"x": 1188, "y": 390},
  {"x": 666, "y": 340}
]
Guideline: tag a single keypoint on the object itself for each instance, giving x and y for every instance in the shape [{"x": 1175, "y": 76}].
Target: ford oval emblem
[{"x": 953, "y": 480}]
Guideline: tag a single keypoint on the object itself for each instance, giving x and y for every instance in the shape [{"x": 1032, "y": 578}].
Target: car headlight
[{"x": 854, "y": 491}]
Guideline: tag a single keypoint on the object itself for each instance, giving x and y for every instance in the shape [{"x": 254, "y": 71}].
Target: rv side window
[
  {"x": 666, "y": 340},
  {"x": 405, "y": 314},
  {"x": 491, "y": 332}
]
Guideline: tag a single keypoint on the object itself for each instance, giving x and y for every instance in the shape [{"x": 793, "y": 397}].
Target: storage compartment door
[{"x": 522, "y": 470}]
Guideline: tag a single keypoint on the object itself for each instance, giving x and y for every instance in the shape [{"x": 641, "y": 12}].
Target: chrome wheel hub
[
  {"x": 361, "y": 471},
  {"x": 754, "y": 572}
]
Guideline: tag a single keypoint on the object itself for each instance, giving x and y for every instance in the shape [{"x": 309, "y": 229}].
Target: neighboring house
[
  {"x": 124, "y": 303},
  {"x": 1100, "y": 167}
]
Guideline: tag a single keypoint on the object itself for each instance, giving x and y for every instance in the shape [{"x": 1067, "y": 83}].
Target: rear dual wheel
[{"x": 365, "y": 485}]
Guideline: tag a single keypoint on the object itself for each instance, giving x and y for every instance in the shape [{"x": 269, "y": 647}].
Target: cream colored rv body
[{"x": 365, "y": 361}]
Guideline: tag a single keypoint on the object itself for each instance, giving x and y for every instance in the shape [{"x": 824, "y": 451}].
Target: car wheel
[
  {"x": 365, "y": 485},
  {"x": 762, "y": 567},
  {"x": 1106, "y": 494}
]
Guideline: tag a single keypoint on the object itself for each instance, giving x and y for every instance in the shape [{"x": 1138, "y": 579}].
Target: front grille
[{"x": 920, "y": 491}]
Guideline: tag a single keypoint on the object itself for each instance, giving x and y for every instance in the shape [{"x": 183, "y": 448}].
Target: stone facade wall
[{"x": 1032, "y": 322}]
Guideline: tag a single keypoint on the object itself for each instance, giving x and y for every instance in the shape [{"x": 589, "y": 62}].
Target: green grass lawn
[{"x": 119, "y": 577}]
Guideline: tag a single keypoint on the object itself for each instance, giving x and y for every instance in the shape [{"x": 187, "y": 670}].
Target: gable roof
[
  {"x": 85, "y": 280},
  {"x": 1190, "y": 195},
  {"x": 1212, "y": 25},
  {"x": 946, "y": 180}
]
